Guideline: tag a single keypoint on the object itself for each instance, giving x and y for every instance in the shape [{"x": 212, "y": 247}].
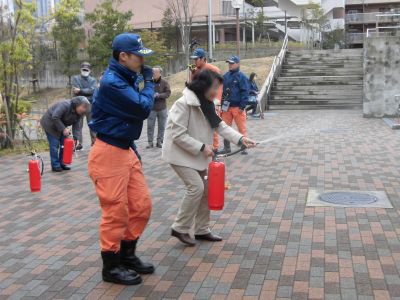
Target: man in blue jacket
[
  {"x": 235, "y": 98},
  {"x": 119, "y": 109}
]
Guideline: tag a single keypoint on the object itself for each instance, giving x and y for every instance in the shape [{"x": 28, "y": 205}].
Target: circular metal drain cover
[{"x": 348, "y": 198}]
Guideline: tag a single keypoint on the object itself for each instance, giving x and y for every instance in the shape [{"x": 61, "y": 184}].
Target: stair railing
[{"x": 274, "y": 72}]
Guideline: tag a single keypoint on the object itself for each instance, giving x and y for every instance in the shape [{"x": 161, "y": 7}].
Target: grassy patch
[
  {"x": 260, "y": 66},
  {"x": 46, "y": 97},
  {"x": 24, "y": 148}
]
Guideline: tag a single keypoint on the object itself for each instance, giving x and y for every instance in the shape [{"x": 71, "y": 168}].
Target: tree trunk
[{"x": 8, "y": 121}]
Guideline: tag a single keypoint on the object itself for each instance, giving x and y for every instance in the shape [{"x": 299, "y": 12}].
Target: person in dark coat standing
[
  {"x": 159, "y": 111},
  {"x": 55, "y": 123},
  {"x": 85, "y": 85}
]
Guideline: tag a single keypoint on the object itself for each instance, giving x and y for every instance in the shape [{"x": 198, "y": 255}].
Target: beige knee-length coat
[{"x": 186, "y": 132}]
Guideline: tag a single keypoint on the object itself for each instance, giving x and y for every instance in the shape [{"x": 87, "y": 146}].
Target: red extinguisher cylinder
[
  {"x": 68, "y": 151},
  {"x": 34, "y": 175},
  {"x": 216, "y": 185}
]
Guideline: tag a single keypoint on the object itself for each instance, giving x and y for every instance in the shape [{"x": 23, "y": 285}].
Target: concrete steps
[{"x": 315, "y": 79}]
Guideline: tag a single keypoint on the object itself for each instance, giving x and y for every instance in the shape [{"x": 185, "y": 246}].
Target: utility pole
[
  {"x": 210, "y": 32},
  {"x": 237, "y": 32},
  {"x": 236, "y": 4}
]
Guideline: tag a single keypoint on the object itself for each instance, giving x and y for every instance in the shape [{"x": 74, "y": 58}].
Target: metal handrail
[
  {"x": 275, "y": 70},
  {"x": 376, "y": 30}
]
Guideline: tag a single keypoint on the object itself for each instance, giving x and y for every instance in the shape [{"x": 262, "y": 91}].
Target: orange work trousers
[
  {"x": 123, "y": 194},
  {"x": 237, "y": 115},
  {"x": 215, "y": 137}
]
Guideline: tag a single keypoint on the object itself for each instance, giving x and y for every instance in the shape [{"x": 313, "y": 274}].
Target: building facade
[
  {"x": 334, "y": 12},
  {"x": 148, "y": 15},
  {"x": 364, "y": 16}
]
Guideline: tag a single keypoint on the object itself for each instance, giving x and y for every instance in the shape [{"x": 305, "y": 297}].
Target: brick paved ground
[{"x": 274, "y": 246}]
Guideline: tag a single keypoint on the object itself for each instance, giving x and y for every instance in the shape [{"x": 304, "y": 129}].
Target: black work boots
[
  {"x": 131, "y": 261},
  {"x": 114, "y": 271},
  {"x": 123, "y": 267}
]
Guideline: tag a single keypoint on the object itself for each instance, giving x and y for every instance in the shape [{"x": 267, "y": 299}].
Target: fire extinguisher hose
[{"x": 223, "y": 154}]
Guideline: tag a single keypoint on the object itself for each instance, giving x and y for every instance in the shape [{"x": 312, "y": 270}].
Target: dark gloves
[{"x": 147, "y": 73}]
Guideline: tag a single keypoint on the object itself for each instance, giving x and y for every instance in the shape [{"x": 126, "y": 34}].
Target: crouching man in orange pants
[{"x": 119, "y": 109}]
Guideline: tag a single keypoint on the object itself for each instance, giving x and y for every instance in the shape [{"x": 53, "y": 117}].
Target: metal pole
[
  {"x": 208, "y": 36},
  {"x": 285, "y": 23},
  {"x": 213, "y": 36},
  {"x": 252, "y": 33},
  {"x": 210, "y": 31},
  {"x": 237, "y": 33}
]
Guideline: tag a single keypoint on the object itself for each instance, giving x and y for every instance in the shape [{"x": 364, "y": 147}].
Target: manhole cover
[{"x": 348, "y": 198}]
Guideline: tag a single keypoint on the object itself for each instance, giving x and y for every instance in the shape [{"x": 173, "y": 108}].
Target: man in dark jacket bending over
[
  {"x": 55, "y": 122},
  {"x": 118, "y": 112}
]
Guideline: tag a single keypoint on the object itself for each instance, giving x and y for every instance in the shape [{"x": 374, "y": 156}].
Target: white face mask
[{"x": 85, "y": 73}]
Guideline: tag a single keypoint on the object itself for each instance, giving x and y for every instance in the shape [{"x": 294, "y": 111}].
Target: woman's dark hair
[
  {"x": 252, "y": 75},
  {"x": 203, "y": 81}
]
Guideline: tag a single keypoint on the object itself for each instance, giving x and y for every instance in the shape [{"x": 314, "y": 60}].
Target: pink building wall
[{"x": 146, "y": 11}]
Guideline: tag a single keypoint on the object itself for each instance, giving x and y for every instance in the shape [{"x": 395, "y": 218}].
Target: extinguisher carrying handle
[
  {"x": 38, "y": 157},
  {"x": 220, "y": 154}
]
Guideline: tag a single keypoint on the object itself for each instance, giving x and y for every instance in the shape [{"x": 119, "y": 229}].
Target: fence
[
  {"x": 51, "y": 77},
  {"x": 276, "y": 67}
]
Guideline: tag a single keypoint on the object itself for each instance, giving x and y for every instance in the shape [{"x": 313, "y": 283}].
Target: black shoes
[
  {"x": 60, "y": 169},
  {"x": 227, "y": 147},
  {"x": 208, "y": 237},
  {"x": 151, "y": 145},
  {"x": 183, "y": 237},
  {"x": 131, "y": 261},
  {"x": 114, "y": 271}
]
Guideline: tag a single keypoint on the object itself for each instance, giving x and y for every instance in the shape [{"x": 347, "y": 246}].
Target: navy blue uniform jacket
[
  {"x": 119, "y": 108},
  {"x": 239, "y": 88}
]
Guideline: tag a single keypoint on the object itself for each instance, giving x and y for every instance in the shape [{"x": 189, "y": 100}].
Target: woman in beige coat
[{"x": 188, "y": 149}]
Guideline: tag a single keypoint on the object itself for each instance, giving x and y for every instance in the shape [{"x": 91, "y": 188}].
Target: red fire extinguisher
[
  {"x": 68, "y": 151},
  {"x": 35, "y": 169},
  {"x": 216, "y": 181},
  {"x": 216, "y": 185}
]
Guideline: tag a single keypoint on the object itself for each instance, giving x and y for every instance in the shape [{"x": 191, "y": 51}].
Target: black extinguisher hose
[{"x": 223, "y": 154}]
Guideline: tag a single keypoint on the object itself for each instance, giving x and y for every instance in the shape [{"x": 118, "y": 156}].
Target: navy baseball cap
[
  {"x": 132, "y": 43},
  {"x": 233, "y": 60},
  {"x": 198, "y": 53}
]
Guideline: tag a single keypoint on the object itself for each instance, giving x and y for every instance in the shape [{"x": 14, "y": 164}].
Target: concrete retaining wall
[{"x": 381, "y": 76}]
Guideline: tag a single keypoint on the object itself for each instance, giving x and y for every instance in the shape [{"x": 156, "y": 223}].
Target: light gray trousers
[
  {"x": 161, "y": 116},
  {"x": 194, "y": 206}
]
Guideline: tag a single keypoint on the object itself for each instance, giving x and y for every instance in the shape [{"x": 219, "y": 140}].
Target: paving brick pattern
[{"x": 274, "y": 246}]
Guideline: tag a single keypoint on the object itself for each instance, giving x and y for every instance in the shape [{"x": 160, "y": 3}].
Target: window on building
[{"x": 338, "y": 13}]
